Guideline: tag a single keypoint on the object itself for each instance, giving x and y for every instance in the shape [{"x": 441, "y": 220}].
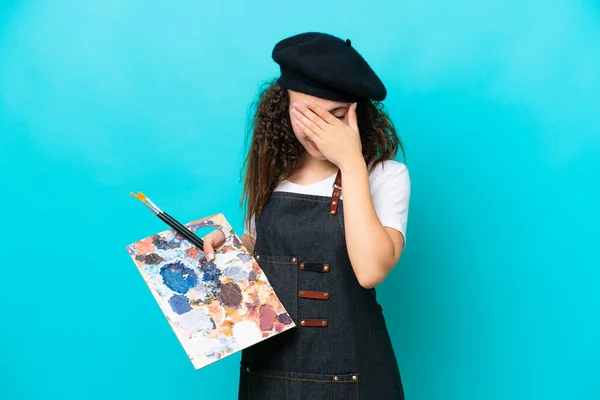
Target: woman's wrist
[{"x": 353, "y": 165}]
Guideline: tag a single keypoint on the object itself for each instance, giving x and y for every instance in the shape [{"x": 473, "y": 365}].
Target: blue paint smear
[
  {"x": 179, "y": 304},
  {"x": 245, "y": 257},
  {"x": 252, "y": 275},
  {"x": 211, "y": 272},
  {"x": 173, "y": 276}
]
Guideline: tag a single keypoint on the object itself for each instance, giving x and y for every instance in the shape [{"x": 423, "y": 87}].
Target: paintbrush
[{"x": 172, "y": 222}]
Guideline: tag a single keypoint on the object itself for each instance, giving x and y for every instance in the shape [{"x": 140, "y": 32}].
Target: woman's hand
[
  {"x": 337, "y": 141},
  {"x": 213, "y": 241}
]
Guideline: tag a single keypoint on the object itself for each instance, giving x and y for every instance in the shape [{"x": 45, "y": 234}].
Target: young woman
[{"x": 323, "y": 245}]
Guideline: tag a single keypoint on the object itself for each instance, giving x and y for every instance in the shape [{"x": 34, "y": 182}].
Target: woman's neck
[{"x": 312, "y": 170}]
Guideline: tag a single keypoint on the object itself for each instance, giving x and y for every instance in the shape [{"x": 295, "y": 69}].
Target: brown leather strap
[
  {"x": 337, "y": 191},
  {"x": 313, "y": 322},
  {"x": 309, "y": 294}
]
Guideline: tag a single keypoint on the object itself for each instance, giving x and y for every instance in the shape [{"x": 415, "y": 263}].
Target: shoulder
[{"x": 389, "y": 172}]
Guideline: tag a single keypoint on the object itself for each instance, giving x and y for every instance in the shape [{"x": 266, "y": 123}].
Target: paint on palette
[
  {"x": 180, "y": 304},
  {"x": 210, "y": 272},
  {"x": 178, "y": 277},
  {"x": 231, "y": 295},
  {"x": 284, "y": 318},
  {"x": 267, "y": 317},
  {"x": 150, "y": 259},
  {"x": 217, "y": 307}
]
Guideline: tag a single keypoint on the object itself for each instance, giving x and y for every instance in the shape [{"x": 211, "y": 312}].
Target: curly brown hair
[{"x": 275, "y": 151}]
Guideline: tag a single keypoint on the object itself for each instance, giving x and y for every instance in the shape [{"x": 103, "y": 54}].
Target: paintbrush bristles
[
  {"x": 140, "y": 196},
  {"x": 147, "y": 202}
]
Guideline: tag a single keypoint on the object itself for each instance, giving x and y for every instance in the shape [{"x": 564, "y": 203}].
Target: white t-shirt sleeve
[
  {"x": 250, "y": 229},
  {"x": 391, "y": 195}
]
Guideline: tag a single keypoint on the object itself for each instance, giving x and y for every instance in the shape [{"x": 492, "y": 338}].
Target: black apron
[{"x": 340, "y": 348}]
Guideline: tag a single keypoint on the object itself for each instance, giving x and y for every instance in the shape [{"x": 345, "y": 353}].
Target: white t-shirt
[{"x": 390, "y": 191}]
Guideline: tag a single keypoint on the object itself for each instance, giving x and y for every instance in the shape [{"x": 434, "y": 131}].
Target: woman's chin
[
  {"x": 318, "y": 156},
  {"x": 314, "y": 153},
  {"x": 312, "y": 149}
]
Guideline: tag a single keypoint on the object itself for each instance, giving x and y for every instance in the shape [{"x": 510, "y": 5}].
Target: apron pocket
[
  {"x": 260, "y": 386},
  {"x": 302, "y": 385},
  {"x": 273, "y": 384}
]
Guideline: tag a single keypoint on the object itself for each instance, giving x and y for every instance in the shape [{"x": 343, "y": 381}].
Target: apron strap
[{"x": 335, "y": 196}]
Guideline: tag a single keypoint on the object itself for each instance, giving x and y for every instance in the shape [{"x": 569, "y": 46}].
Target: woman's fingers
[
  {"x": 319, "y": 113},
  {"x": 311, "y": 115},
  {"x": 209, "y": 250},
  {"x": 306, "y": 123},
  {"x": 212, "y": 240},
  {"x": 352, "y": 118},
  {"x": 308, "y": 132}
]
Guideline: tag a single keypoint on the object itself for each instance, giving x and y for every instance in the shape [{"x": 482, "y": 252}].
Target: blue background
[{"x": 497, "y": 102}]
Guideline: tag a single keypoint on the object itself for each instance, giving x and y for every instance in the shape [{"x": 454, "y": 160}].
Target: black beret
[{"x": 326, "y": 66}]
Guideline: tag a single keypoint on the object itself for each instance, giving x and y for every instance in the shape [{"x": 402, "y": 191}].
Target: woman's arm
[
  {"x": 248, "y": 242},
  {"x": 373, "y": 249}
]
